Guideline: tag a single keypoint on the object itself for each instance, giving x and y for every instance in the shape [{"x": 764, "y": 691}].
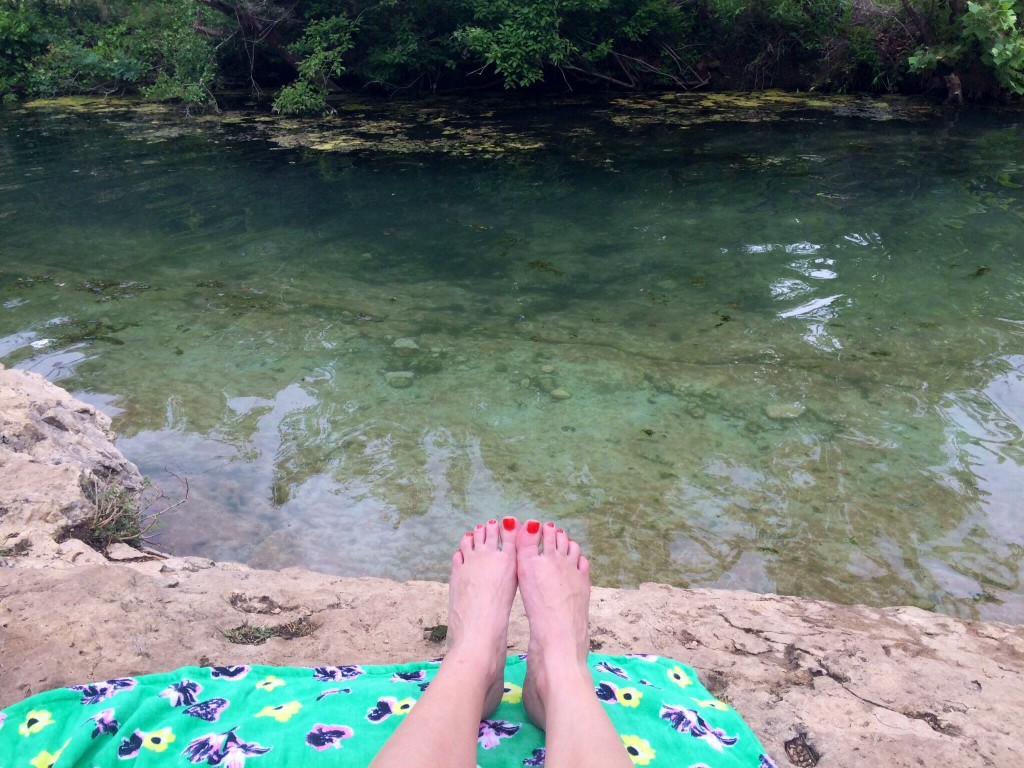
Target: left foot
[{"x": 480, "y": 593}]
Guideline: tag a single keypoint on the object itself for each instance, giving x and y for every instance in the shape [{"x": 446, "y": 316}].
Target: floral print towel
[{"x": 267, "y": 717}]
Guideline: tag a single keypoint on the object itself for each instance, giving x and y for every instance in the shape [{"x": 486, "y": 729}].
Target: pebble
[
  {"x": 560, "y": 394},
  {"x": 399, "y": 379},
  {"x": 784, "y": 411},
  {"x": 405, "y": 343},
  {"x": 524, "y": 383},
  {"x": 547, "y": 369}
]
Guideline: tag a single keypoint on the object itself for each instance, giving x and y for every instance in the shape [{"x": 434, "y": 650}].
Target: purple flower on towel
[
  {"x": 223, "y": 749},
  {"x": 329, "y": 674},
  {"x": 331, "y": 692},
  {"x": 105, "y": 723},
  {"x": 323, "y": 737},
  {"x": 688, "y": 721},
  {"x": 410, "y": 677},
  {"x": 606, "y": 692},
  {"x": 209, "y": 710},
  {"x": 538, "y": 758},
  {"x": 182, "y": 693},
  {"x": 93, "y": 693},
  {"x": 230, "y": 672},
  {"x": 604, "y": 666},
  {"x": 493, "y": 731}
]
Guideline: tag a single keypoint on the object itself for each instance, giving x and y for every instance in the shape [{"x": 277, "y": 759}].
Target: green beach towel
[{"x": 270, "y": 717}]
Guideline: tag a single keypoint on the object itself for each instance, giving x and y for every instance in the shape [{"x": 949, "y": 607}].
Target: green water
[{"x": 794, "y": 353}]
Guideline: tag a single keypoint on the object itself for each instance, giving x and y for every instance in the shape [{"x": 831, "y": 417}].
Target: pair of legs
[{"x": 558, "y": 692}]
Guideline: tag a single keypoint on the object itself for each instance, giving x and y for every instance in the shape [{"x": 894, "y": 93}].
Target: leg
[
  {"x": 442, "y": 729},
  {"x": 558, "y": 693}
]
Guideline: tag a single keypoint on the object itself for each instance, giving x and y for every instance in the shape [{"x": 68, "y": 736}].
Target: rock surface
[{"x": 854, "y": 685}]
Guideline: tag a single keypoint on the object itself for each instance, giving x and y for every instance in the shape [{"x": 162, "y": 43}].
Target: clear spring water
[{"x": 793, "y": 353}]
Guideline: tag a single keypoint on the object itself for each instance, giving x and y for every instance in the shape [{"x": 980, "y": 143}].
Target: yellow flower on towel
[
  {"x": 269, "y": 683},
  {"x": 628, "y": 697},
  {"x": 513, "y": 694},
  {"x": 639, "y": 750},
  {"x": 35, "y": 721},
  {"x": 47, "y": 759},
  {"x": 712, "y": 703},
  {"x": 679, "y": 677},
  {"x": 402, "y": 707},
  {"x": 157, "y": 740},
  {"x": 282, "y": 712}
]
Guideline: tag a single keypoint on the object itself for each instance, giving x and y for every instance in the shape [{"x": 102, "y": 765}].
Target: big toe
[{"x": 528, "y": 539}]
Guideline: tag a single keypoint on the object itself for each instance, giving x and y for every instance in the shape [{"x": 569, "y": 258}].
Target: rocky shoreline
[{"x": 820, "y": 683}]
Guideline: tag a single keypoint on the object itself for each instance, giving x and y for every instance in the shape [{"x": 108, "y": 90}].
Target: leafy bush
[
  {"x": 322, "y": 48},
  {"x": 989, "y": 31}
]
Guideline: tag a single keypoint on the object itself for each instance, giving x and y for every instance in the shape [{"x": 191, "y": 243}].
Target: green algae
[{"x": 487, "y": 130}]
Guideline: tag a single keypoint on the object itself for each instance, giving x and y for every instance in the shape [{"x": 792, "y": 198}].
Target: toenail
[
  {"x": 549, "y": 524},
  {"x": 509, "y": 523},
  {"x": 559, "y": 530},
  {"x": 532, "y": 526},
  {"x": 479, "y": 526},
  {"x": 492, "y": 522}
]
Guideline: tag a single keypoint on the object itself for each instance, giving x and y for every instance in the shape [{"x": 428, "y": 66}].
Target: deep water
[{"x": 785, "y": 357}]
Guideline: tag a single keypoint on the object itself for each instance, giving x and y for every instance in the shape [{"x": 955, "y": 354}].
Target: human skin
[{"x": 558, "y": 693}]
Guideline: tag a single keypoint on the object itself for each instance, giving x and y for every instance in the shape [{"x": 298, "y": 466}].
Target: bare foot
[
  {"x": 480, "y": 594},
  {"x": 554, "y": 580}
]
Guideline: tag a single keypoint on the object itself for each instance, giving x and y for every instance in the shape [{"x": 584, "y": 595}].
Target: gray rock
[
  {"x": 560, "y": 394},
  {"x": 405, "y": 343},
  {"x": 784, "y": 411},
  {"x": 399, "y": 379}
]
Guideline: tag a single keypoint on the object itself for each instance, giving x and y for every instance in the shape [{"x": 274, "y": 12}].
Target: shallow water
[{"x": 793, "y": 353}]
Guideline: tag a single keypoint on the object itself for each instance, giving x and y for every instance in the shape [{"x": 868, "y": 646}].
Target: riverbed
[{"x": 775, "y": 351}]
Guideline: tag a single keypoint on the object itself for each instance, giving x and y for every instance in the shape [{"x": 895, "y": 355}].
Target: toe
[
  {"x": 584, "y": 566},
  {"x": 561, "y": 541},
  {"x": 528, "y": 539},
  {"x": 509, "y": 530},
  {"x": 491, "y": 535},
  {"x": 479, "y": 536},
  {"x": 574, "y": 551},
  {"x": 547, "y": 538},
  {"x": 466, "y": 545}
]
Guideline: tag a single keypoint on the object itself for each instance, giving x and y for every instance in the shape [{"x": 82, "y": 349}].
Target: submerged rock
[
  {"x": 560, "y": 394},
  {"x": 784, "y": 411},
  {"x": 399, "y": 379},
  {"x": 405, "y": 343}
]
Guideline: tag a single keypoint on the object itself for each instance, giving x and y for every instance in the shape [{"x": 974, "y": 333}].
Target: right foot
[
  {"x": 480, "y": 594},
  {"x": 554, "y": 580}
]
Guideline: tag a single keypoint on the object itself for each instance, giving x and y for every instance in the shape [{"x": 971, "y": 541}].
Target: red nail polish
[
  {"x": 492, "y": 522},
  {"x": 559, "y": 530},
  {"x": 509, "y": 523},
  {"x": 479, "y": 526},
  {"x": 532, "y": 526},
  {"x": 469, "y": 533},
  {"x": 549, "y": 524}
]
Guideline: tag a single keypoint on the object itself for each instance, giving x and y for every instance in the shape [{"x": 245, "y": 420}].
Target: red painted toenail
[
  {"x": 550, "y": 524},
  {"x": 559, "y": 530},
  {"x": 509, "y": 523},
  {"x": 492, "y": 522},
  {"x": 532, "y": 526},
  {"x": 479, "y": 526}
]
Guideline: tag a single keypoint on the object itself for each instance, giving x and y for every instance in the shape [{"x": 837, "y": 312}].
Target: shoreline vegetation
[{"x": 308, "y": 56}]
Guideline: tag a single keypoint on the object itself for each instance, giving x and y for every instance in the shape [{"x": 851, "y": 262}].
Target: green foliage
[
  {"x": 301, "y": 98},
  {"x": 994, "y": 26},
  {"x": 989, "y": 31},
  {"x": 185, "y": 63},
  {"x": 21, "y": 39},
  {"x": 517, "y": 38},
  {"x": 322, "y": 48}
]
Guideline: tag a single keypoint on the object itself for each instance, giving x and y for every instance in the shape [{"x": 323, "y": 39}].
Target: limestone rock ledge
[{"x": 843, "y": 685}]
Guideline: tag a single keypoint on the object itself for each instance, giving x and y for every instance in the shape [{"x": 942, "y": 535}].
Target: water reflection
[{"x": 713, "y": 371}]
